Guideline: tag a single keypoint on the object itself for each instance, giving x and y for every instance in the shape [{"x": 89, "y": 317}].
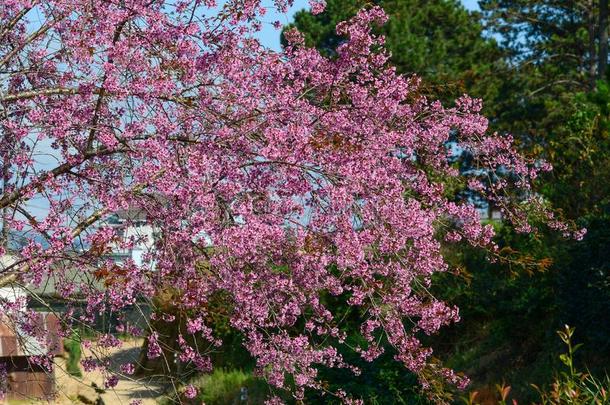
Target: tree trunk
[
  {"x": 592, "y": 62},
  {"x": 603, "y": 39},
  {"x": 4, "y": 233}
]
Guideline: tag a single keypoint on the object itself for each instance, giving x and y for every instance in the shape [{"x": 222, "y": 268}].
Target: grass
[{"x": 224, "y": 387}]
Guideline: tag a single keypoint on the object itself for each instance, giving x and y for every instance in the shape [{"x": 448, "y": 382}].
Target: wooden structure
[{"x": 24, "y": 379}]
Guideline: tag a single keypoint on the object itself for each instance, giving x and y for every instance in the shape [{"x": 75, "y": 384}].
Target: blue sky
[
  {"x": 471, "y": 4},
  {"x": 270, "y": 37}
]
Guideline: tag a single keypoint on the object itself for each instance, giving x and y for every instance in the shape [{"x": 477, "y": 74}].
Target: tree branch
[{"x": 16, "y": 19}]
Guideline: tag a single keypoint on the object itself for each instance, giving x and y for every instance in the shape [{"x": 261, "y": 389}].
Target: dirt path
[{"x": 72, "y": 390}]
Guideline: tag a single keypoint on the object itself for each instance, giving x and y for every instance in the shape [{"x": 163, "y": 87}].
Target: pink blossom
[
  {"x": 111, "y": 381},
  {"x": 268, "y": 180},
  {"x": 154, "y": 350},
  {"x": 127, "y": 368},
  {"x": 317, "y": 6},
  {"x": 190, "y": 391}
]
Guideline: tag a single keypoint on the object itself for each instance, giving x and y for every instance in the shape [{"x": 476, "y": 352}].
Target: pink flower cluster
[{"x": 274, "y": 179}]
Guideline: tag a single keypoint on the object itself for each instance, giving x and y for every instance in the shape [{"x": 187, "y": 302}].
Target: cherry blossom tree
[{"x": 274, "y": 178}]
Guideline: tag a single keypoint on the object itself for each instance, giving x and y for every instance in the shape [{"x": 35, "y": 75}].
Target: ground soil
[{"x": 74, "y": 390}]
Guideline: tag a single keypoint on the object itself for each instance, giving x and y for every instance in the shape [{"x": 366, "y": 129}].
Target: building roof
[{"x": 131, "y": 214}]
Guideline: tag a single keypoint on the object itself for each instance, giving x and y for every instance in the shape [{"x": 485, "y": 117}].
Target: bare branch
[
  {"x": 11, "y": 198},
  {"x": 40, "y": 32},
  {"x": 16, "y": 19},
  {"x": 36, "y": 93}
]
